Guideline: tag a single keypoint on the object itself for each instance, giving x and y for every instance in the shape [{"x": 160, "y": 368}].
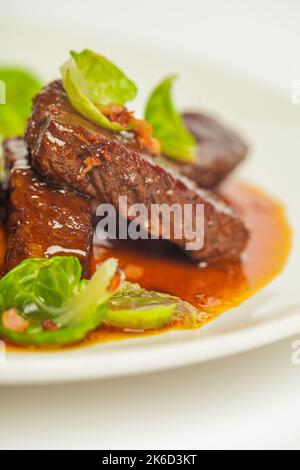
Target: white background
[
  {"x": 248, "y": 401},
  {"x": 259, "y": 38}
]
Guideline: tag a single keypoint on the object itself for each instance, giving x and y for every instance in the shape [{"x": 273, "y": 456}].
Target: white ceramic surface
[{"x": 271, "y": 124}]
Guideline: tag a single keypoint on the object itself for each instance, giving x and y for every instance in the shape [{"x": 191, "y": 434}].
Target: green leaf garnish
[
  {"x": 51, "y": 290},
  {"x": 135, "y": 308},
  {"x": 45, "y": 301},
  {"x": 134, "y": 313},
  {"x": 91, "y": 80},
  {"x": 176, "y": 141},
  {"x": 20, "y": 86},
  {"x": 139, "y": 312}
]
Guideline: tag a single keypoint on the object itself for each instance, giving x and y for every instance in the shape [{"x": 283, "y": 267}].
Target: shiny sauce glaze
[{"x": 212, "y": 289}]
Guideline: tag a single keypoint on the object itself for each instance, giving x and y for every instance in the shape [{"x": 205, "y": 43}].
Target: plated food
[{"x": 83, "y": 151}]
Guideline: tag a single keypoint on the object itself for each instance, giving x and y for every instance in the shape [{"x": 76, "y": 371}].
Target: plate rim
[{"x": 195, "y": 352}]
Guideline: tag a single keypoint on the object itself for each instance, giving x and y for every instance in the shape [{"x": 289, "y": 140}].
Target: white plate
[{"x": 271, "y": 124}]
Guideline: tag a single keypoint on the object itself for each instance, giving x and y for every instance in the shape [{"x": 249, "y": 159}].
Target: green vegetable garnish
[
  {"x": 56, "y": 305},
  {"x": 135, "y": 308},
  {"x": 20, "y": 85},
  {"x": 45, "y": 301},
  {"x": 92, "y": 81},
  {"x": 176, "y": 141},
  {"x": 139, "y": 313}
]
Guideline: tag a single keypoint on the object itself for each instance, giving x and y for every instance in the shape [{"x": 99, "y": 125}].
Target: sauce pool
[{"x": 212, "y": 289}]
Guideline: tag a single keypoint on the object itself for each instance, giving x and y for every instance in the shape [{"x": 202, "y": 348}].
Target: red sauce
[{"x": 212, "y": 289}]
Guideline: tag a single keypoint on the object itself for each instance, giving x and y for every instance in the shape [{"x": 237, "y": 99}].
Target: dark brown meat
[
  {"x": 43, "y": 221},
  {"x": 15, "y": 155},
  {"x": 219, "y": 151},
  {"x": 70, "y": 151}
]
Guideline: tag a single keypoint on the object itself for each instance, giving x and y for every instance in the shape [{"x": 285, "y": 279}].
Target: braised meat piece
[
  {"x": 219, "y": 151},
  {"x": 70, "y": 151},
  {"x": 43, "y": 221},
  {"x": 15, "y": 154}
]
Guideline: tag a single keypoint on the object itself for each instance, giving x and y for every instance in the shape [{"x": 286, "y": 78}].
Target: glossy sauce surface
[{"x": 212, "y": 289}]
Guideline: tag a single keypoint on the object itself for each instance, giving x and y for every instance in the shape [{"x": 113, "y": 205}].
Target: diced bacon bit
[
  {"x": 142, "y": 129},
  {"x": 133, "y": 272},
  {"x": 88, "y": 164},
  {"x": 116, "y": 113},
  {"x": 12, "y": 321},
  {"x": 116, "y": 281},
  {"x": 49, "y": 325},
  {"x": 144, "y": 135}
]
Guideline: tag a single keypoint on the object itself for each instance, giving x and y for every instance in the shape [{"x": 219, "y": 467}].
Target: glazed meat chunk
[
  {"x": 70, "y": 151},
  {"x": 44, "y": 221}
]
